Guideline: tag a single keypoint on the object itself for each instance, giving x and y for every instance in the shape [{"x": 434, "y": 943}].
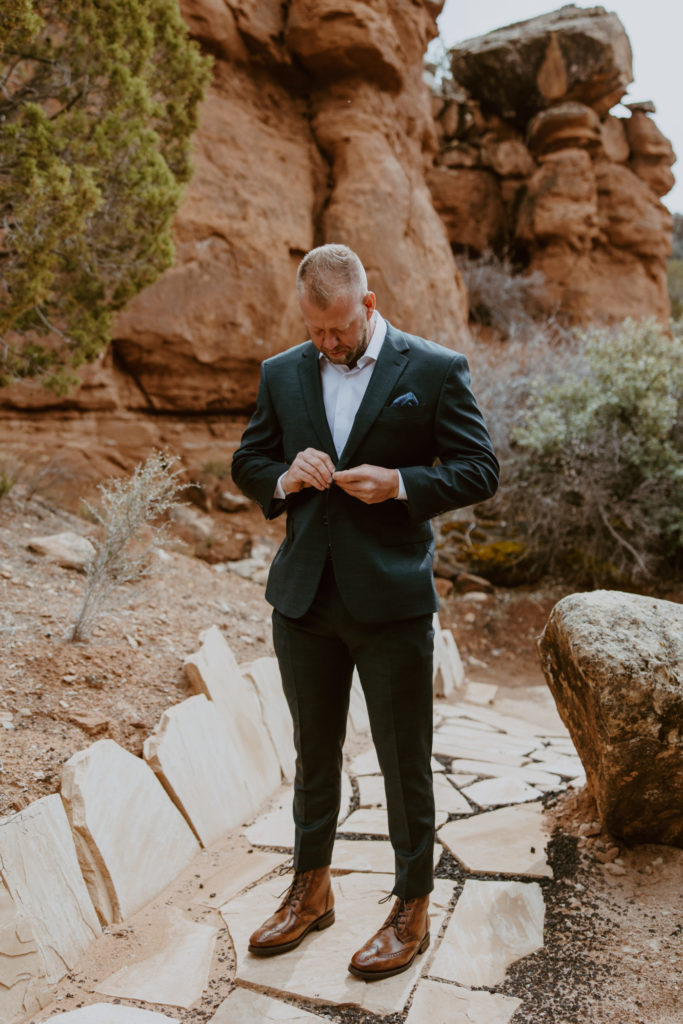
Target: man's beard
[{"x": 353, "y": 357}]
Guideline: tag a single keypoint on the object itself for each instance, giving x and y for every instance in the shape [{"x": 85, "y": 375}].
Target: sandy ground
[{"x": 614, "y": 941}]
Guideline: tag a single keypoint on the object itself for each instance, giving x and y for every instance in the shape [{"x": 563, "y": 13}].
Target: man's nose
[{"x": 330, "y": 341}]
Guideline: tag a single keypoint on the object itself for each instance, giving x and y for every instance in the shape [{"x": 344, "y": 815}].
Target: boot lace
[
  {"x": 296, "y": 890},
  {"x": 399, "y": 916}
]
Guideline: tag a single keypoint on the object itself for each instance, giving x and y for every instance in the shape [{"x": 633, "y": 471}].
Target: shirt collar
[{"x": 371, "y": 354}]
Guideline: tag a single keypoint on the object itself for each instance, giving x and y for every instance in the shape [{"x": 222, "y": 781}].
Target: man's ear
[{"x": 370, "y": 302}]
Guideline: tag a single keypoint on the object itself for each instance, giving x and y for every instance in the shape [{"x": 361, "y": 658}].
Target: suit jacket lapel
[
  {"x": 390, "y": 365},
  {"x": 311, "y": 387}
]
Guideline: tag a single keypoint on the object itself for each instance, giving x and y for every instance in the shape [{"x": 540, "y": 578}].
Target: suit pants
[{"x": 317, "y": 654}]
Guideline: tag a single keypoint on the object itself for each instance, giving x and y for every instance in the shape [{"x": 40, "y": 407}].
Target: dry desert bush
[
  {"x": 589, "y": 430},
  {"x": 126, "y": 506}
]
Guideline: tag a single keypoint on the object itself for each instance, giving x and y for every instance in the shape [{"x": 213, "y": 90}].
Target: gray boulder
[
  {"x": 614, "y": 664},
  {"x": 574, "y": 53}
]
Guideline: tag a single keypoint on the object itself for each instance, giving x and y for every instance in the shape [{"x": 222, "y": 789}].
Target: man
[{"x": 344, "y": 438}]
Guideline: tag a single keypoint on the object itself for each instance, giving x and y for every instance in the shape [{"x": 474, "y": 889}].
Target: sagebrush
[
  {"x": 593, "y": 474},
  {"x": 126, "y": 506}
]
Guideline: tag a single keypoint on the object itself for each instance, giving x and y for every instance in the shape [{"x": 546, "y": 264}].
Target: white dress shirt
[{"x": 343, "y": 391}]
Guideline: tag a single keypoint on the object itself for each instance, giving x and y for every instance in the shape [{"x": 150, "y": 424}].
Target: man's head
[{"x": 337, "y": 307}]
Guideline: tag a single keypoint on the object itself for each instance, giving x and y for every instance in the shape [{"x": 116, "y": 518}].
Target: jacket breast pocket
[{"x": 405, "y": 414}]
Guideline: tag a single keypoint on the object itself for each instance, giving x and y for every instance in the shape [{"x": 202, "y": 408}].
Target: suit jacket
[{"x": 382, "y": 553}]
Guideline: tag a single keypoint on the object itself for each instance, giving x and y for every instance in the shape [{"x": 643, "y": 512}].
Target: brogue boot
[
  {"x": 307, "y": 906},
  {"x": 404, "y": 934}
]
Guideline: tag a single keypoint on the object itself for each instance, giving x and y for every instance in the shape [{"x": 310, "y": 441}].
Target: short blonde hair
[{"x": 329, "y": 270}]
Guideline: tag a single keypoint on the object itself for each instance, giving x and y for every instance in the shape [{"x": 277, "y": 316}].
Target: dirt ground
[{"x": 614, "y": 938}]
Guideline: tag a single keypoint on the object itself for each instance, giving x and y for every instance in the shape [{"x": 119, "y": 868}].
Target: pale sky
[{"x": 655, "y": 28}]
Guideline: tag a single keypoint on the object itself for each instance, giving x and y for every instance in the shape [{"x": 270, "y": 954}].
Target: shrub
[
  {"x": 674, "y": 273},
  {"x": 126, "y": 506},
  {"x": 502, "y": 297},
  {"x": 594, "y": 478},
  {"x": 97, "y": 108}
]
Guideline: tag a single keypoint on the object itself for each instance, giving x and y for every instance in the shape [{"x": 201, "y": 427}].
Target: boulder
[
  {"x": 614, "y": 664},
  {"x": 67, "y": 549},
  {"x": 561, "y": 201},
  {"x": 574, "y": 53},
  {"x": 602, "y": 285},
  {"x": 564, "y": 126},
  {"x": 614, "y": 141},
  {"x": 630, "y": 215},
  {"x": 131, "y": 841}
]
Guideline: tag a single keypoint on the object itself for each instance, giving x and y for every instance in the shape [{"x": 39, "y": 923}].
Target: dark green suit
[{"x": 352, "y": 583}]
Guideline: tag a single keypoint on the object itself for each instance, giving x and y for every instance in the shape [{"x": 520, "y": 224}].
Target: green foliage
[
  {"x": 675, "y": 280},
  {"x": 7, "y": 482},
  {"x": 595, "y": 479},
  {"x": 677, "y": 251},
  {"x": 97, "y": 108}
]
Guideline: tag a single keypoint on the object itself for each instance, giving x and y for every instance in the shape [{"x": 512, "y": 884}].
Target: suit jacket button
[{"x": 325, "y": 521}]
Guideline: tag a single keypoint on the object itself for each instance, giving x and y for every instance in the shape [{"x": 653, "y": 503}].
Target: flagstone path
[{"x": 493, "y": 766}]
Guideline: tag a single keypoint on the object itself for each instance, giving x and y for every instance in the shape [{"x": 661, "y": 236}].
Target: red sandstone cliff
[{"x": 319, "y": 127}]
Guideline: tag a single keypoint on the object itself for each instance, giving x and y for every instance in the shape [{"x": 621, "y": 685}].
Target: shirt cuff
[
  {"x": 401, "y": 496},
  {"x": 279, "y": 489}
]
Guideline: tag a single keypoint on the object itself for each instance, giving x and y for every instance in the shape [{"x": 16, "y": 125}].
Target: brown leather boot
[
  {"x": 404, "y": 934},
  {"x": 308, "y": 905}
]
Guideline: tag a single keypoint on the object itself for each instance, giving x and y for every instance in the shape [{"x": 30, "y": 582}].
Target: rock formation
[
  {"x": 532, "y": 163},
  {"x": 319, "y": 127},
  {"x": 614, "y": 664}
]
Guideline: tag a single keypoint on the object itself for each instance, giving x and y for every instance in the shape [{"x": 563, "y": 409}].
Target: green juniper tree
[{"x": 98, "y": 102}]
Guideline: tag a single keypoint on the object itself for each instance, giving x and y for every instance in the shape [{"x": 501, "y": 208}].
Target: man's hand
[
  {"x": 310, "y": 468},
  {"x": 370, "y": 484}
]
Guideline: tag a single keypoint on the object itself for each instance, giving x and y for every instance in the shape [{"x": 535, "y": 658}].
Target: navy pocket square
[{"x": 408, "y": 399}]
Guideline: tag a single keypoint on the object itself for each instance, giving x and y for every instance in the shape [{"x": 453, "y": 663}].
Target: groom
[{"x": 360, "y": 435}]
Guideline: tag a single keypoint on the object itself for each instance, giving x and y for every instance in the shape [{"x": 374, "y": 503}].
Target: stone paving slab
[
  {"x": 245, "y": 868},
  {"x": 480, "y": 693},
  {"x": 527, "y": 773},
  {"x": 276, "y": 828},
  {"x": 40, "y": 870},
  {"x": 198, "y": 769},
  {"x": 106, "y": 1013},
  {"x": 371, "y": 791},
  {"x": 493, "y": 925},
  {"x": 244, "y": 1006},
  {"x": 175, "y": 975},
  {"x": 448, "y": 799},
  {"x": 214, "y": 672},
  {"x": 537, "y": 710},
  {"x": 509, "y": 841},
  {"x": 375, "y": 855},
  {"x": 24, "y": 988},
  {"x": 512, "y": 721},
  {"x": 460, "y": 713},
  {"x": 455, "y": 747},
  {"x": 569, "y": 767},
  {"x": 264, "y": 673},
  {"x": 318, "y": 970},
  {"x": 367, "y": 764},
  {"x": 461, "y": 780},
  {"x": 436, "y": 1003},
  {"x": 131, "y": 840},
  {"x": 372, "y": 821},
  {"x": 358, "y": 709},
  {"x": 498, "y": 792}
]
